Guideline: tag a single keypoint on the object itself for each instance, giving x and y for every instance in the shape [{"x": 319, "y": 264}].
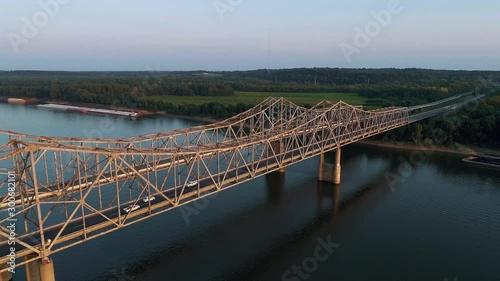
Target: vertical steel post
[{"x": 337, "y": 167}]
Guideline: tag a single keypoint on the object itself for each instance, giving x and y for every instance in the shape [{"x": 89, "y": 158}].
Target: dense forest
[
  {"x": 382, "y": 87},
  {"x": 411, "y": 85}
]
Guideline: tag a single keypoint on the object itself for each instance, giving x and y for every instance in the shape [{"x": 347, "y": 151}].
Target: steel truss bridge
[{"x": 66, "y": 191}]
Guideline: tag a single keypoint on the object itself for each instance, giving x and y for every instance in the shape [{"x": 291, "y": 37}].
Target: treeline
[
  {"x": 363, "y": 76},
  {"x": 40, "y": 92},
  {"x": 112, "y": 92},
  {"x": 190, "y": 89},
  {"x": 413, "y": 95},
  {"x": 382, "y": 87},
  {"x": 92, "y": 87}
]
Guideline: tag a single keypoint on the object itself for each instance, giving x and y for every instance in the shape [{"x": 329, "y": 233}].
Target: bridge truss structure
[{"x": 67, "y": 191}]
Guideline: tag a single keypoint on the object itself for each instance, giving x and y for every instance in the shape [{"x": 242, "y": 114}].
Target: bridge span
[{"x": 61, "y": 192}]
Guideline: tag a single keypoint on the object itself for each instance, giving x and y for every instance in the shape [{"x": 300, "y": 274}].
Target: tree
[
  {"x": 417, "y": 133},
  {"x": 54, "y": 89}
]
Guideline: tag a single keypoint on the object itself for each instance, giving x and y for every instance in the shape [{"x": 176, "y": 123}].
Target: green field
[{"x": 253, "y": 98}]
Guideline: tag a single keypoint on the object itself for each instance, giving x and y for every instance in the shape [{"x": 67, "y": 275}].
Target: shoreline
[
  {"x": 204, "y": 119},
  {"x": 460, "y": 149},
  {"x": 412, "y": 146}
]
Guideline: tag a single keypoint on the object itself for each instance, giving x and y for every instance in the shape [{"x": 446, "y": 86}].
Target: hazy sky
[{"x": 193, "y": 34}]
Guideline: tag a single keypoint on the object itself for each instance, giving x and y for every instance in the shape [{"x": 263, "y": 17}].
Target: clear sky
[{"x": 193, "y": 34}]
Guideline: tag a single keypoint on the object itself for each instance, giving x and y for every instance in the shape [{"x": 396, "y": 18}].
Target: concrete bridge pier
[
  {"x": 40, "y": 270},
  {"x": 321, "y": 167},
  {"x": 47, "y": 270},
  {"x": 330, "y": 172}
]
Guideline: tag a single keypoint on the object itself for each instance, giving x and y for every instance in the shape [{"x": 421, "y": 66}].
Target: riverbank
[
  {"x": 204, "y": 119},
  {"x": 460, "y": 149}
]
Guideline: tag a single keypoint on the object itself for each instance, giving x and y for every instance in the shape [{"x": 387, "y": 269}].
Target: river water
[{"x": 433, "y": 218}]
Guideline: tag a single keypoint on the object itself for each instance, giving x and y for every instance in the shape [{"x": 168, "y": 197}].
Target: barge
[
  {"x": 484, "y": 160},
  {"x": 88, "y": 110}
]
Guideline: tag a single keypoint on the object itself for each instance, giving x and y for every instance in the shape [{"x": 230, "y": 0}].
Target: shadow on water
[
  {"x": 446, "y": 164},
  {"x": 275, "y": 189},
  {"x": 331, "y": 193},
  {"x": 330, "y": 204},
  {"x": 326, "y": 216},
  {"x": 362, "y": 199},
  {"x": 275, "y": 185}
]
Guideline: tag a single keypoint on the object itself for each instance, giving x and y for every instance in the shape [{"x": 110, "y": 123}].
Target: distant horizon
[{"x": 254, "y": 69}]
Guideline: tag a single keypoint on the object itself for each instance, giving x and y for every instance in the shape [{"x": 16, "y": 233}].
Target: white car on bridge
[
  {"x": 192, "y": 183},
  {"x": 148, "y": 199},
  {"x": 131, "y": 208}
]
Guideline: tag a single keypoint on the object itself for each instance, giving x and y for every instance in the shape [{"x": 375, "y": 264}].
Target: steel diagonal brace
[
  {"x": 100, "y": 213},
  {"x": 82, "y": 200},
  {"x": 146, "y": 181}
]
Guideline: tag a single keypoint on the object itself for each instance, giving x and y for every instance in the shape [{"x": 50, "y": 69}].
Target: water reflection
[
  {"x": 260, "y": 229},
  {"x": 329, "y": 192},
  {"x": 275, "y": 186}
]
